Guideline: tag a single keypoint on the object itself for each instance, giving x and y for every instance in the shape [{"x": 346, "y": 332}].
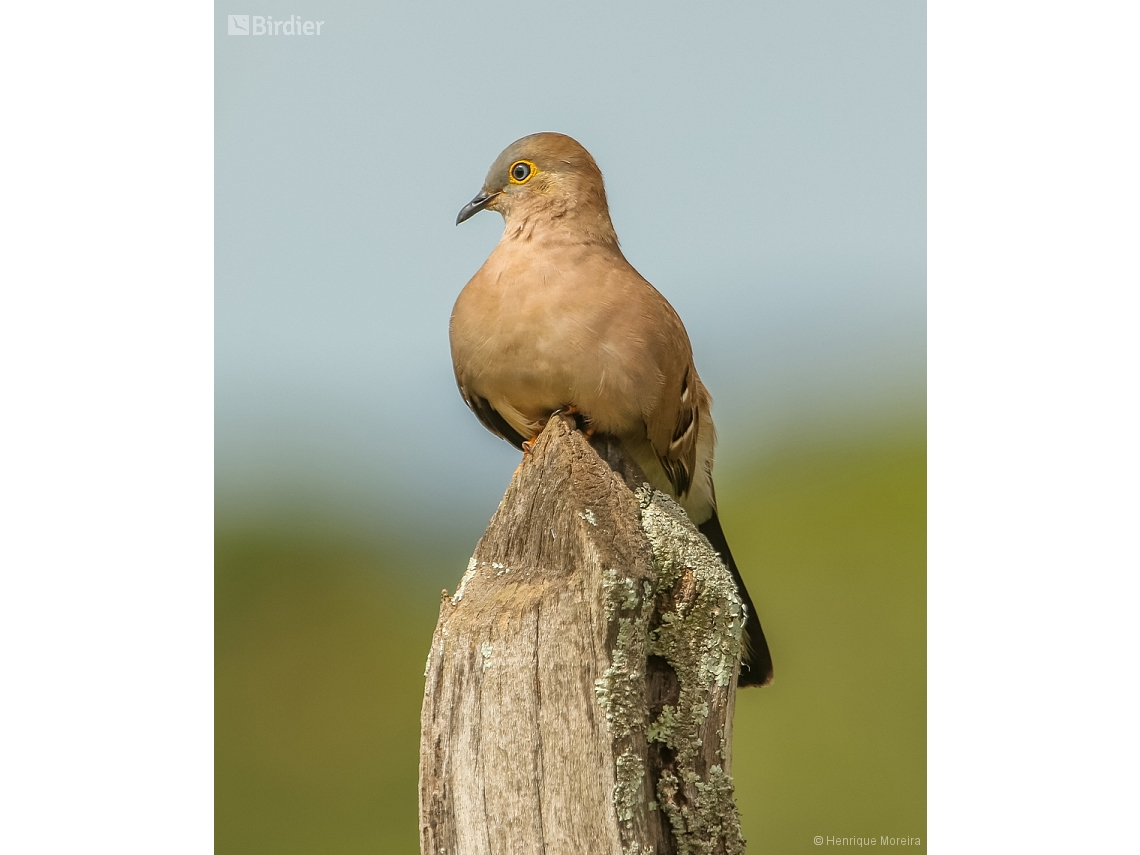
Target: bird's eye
[{"x": 521, "y": 171}]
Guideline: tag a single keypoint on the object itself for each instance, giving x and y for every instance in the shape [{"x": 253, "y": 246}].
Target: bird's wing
[
  {"x": 491, "y": 418},
  {"x": 676, "y": 423},
  {"x": 676, "y": 416}
]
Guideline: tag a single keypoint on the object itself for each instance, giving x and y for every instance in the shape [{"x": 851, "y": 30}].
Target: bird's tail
[{"x": 756, "y": 667}]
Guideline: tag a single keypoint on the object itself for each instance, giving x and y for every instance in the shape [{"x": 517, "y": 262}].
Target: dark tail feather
[{"x": 756, "y": 669}]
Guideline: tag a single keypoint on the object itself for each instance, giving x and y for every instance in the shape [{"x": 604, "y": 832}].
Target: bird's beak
[{"x": 476, "y": 205}]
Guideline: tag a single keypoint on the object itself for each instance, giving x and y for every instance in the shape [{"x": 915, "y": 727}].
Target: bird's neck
[{"x": 560, "y": 221}]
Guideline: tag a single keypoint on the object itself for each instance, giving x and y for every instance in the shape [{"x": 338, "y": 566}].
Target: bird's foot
[
  {"x": 527, "y": 448},
  {"x": 566, "y": 410},
  {"x": 582, "y": 421}
]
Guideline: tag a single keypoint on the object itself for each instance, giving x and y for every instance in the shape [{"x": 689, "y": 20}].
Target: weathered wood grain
[{"x": 581, "y": 681}]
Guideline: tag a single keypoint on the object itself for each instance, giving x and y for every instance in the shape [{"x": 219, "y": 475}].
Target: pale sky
[{"x": 765, "y": 165}]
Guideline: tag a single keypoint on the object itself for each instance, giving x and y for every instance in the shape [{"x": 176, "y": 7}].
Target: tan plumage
[{"x": 558, "y": 319}]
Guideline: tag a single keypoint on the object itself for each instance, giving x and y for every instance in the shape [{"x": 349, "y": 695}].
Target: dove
[{"x": 558, "y": 321}]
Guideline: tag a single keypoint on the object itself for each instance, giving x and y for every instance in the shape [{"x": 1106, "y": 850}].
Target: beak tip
[{"x": 481, "y": 201}]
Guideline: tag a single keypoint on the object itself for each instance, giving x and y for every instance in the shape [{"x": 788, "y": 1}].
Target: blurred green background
[
  {"x": 322, "y": 638},
  {"x": 322, "y": 642},
  {"x": 765, "y": 167}
]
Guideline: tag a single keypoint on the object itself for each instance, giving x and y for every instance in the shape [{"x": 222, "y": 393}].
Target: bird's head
[{"x": 545, "y": 179}]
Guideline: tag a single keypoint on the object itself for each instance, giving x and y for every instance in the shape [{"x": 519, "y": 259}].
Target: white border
[
  {"x": 106, "y": 337},
  {"x": 1033, "y": 233}
]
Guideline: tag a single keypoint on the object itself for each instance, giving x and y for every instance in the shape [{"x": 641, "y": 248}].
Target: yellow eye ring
[{"x": 521, "y": 172}]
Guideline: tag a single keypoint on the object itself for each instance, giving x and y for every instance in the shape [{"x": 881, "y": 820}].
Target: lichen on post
[
  {"x": 581, "y": 681},
  {"x": 699, "y": 624}
]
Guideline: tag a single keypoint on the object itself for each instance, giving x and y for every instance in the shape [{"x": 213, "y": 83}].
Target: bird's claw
[{"x": 581, "y": 420}]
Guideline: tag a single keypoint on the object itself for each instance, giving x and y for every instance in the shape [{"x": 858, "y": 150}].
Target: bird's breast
[{"x": 530, "y": 338}]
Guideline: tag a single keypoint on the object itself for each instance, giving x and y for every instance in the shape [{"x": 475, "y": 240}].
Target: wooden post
[{"x": 582, "y": 679}]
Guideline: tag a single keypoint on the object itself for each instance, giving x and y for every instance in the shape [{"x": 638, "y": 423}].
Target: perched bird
[{"x": 556, "y": 320}]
